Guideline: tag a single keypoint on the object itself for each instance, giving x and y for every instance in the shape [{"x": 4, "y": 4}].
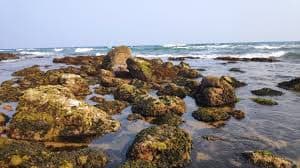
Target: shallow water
[{"x": 274, "y": 128}]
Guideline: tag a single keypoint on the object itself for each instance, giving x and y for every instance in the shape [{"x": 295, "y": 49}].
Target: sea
[{"x": 273, "y": 128}]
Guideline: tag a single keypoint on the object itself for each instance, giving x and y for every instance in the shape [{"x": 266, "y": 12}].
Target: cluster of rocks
[{"x": 8, "y": 56}]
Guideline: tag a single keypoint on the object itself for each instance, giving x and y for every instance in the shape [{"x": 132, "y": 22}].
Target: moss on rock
[
  {"x": 162, "y": 146},
  {"x": 264, "y": 101},
  {"x": 266, "y": 92},
  {"x": 212, "y": 114},
  {"x": 172, "y": 89},
  {"x": 50, "y": 112},
  {"x": 293, "y": 84},
  {"x": 128, "y": 93}
]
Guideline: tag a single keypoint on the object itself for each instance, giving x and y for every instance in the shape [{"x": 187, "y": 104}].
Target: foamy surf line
[{"x": 81, "y": 50}]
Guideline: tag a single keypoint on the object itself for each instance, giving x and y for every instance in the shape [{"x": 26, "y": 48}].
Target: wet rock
[
  {"x": 112, "y": 107},
  {"x": 258, "y": 59},
  {"x": 212, "y": 138},
  {"x": 33, "y": 70},
  {"x": 189, "y": 84},
  {"x": 104, "y": 90},
  {"x": 172, "y": 89},
  {"x": 48, "y": 113},
  {"x": 181, "y": 58},
  {"x": 106, "y": 73},
  {"x": 138, "y": 164},
  {"x": 89, "y": 70},
  {"x": 77, "y": 85},
  {"x": 151, "y": 70},
  {"x": 8, "y": 56},
  {"x": 116, "y": 58},
  {"x": 31, "y": 154},
  {"x": 9, "y": 92},
  {"x": 162, "y": 146},
  {"x": 264, "y": 101},
  {"x": 3, "y": 119},
  {"x": 187, "y": 72},
  {"x": 293, "y": 84},
  {"x": 134, "y": 117},
  {"x": 80, "y": 60},
  {"x": 237, "y": 114},
  {"x": 141, "y": 84},
  {"x": 97, "y": 99},
  {"x": 128, "y": 93},
  {"x": 214, "y": 91},
  {"x": 149, "y": 106},
  {"x": 212, "y": 114},
  {"x": 7, "y": 107},
  {"x": 233, "y": 81},
  {"x": 266, "y": 92},
  {"x": 108, "y": 81},
  {"x": 169, "y": 119},
  {"x": 265, "y": 158},
  {"x": 236, "y": 70}
]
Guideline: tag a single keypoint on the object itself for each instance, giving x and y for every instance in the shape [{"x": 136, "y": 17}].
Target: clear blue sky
[{"x": 59, "y": 23}]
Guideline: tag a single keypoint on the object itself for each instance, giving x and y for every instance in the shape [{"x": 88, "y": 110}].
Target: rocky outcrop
[
  {"x": 214, "y": 91},
  {"x": 172, "y": 89},
  {"x": 80, "y": 60},
  {"x": 160, "y": 146},
  {"x": 149, "y": 106},
  {"x": 293, "y": 84},
  {"x": 265, "y": 158},
  {"x": 31, "y": 154},
  {"x": 110, "y": 107},
  {"x": 266, "y": 92},
  {"x": 128, "y": 93},
  {"x": 48, "y": 113},
  {"x": 116, "y": 58},
  {"x": 8, "y": 56},
  {"x": 233, "y": 81}
]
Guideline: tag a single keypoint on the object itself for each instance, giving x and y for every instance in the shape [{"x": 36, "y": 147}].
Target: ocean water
[{"x": 274, "y": 128}]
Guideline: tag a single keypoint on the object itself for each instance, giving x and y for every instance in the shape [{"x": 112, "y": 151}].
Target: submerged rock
[
  {"x": 111, "y": 107},
  {"x": 116, "y": 58},
  {"x": 236, "y": 70},
  {"x": 28, "y": 155},
  {"x": 293, "y": 84},
  {"x": 257, "y": 59},
  {"x": 162, "y": 146},
  {"x": 264, "y": 101},
  {"x": 268, "y": 159},
  {"x": 172, "y": 89},
  {"x": 184, "y": 70},
  {"x": 128, "y": 93},
  {"x": 266, "y": 92},
  {"x": 51, "y": 112},
  {"x": 233, "y": 81},
  {"x": 8, "y": 56},
  {"x": 214, "y": 91},
  {"x": 169, "y": 119},
  {"x": 149, "y": 106}
]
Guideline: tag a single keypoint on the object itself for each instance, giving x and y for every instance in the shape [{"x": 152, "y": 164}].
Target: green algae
[{"x": 264, "y": 101}]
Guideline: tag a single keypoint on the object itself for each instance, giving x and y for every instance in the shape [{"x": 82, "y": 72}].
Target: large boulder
[
  {"x": 161, "y": 146},
  {"x": 51, "y": 112},
  {"x": 116, "y": 58},
  {"x": 293, "y": 84},
  {"x": 214, "y": 91},
  {"x": 24, "y": 154},
  {"x": 149, "y": 106}
]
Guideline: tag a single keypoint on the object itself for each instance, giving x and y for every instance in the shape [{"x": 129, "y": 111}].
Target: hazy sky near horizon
[{"x": 61, "y": 23}]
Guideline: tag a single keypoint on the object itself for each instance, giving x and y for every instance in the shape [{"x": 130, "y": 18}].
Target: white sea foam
[
  {"x": 58, "y": 49},
  {"x": 174, "y": 45},
  {"x": 36, "y": 53},
  {"x": 267, "y": 47},
  {"x": 81, "y": 50}
]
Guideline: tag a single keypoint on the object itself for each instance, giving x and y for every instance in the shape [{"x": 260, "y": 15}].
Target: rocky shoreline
[{"x": 51, "y": 108}]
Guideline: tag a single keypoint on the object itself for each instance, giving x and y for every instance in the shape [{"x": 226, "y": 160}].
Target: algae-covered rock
[
  {"x": 80, "y": 60},
  {"x": 172, "y": 89},
  {"x": 236, "y": 70},
  {"x": 163, "y": 146},
  {"x": 77, "y": 85},
  {"x": 184, "y": 70},
  {"x": 169, "y": 119},
  {"x": 189, "y": 84},
  {"x": 266, "y": 92},
  {"x": 214, "y": 91},
  {"x": 9, "y": 92},
  {"x": 51, "y": 112},
  {"x": 128, "y": 93},
  {"x": 233, "y": 81},
  {"x": 141, "y": 84},
  {"x": 8, "y": 56},
  {"x": 3, "y": 119},
  {"x": 116, "y": 58},
  {"x": 212, "y": 114},
  {"x": 112, "y": 107},
  {"x": 264, "y": 101},
  {"x": 31, "y": 154},
  {"x": 108, "y": 81},
  {"x": 104, "y": 90},
  {"x": 267, "y": 159},
  {"x": 138, "y": 164},
  {"x": 293, "y": 84},
  {"x": 149, "y": 106},
  {"x": 33, "y": 70}
]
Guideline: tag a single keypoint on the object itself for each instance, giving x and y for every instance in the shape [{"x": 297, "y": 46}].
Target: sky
[{"x": 67, "y": 23}]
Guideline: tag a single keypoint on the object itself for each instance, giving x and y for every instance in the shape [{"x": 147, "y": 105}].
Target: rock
[
  {"x": 265, "y": 158},
  {"x": 169, "y": 119},
  {"x": 49, "y": 113},
  {"x": 8, "y": 56},
  {"x": 80, "y": 60},
  {"x": 104, "y": 90},
  {"x": 31, "y": 154},
  {"x": 162, "y": 146},
  {"x": 77, "y": 85},
  {"x": 116, "y": 58},
  {"x": 9, "y": 92},
  {"x": 141, "y": 84},
  {"x": 237, "y": 114},
  {"x": 266, "y": 92},
  {"x": 258, "y": 59},
  {"x": 172, "y": 89},
  {"x": 149, "y": 106},
  {"x": 214, "y": 91},
  {"x": 3, "y": 119},
  {"x": 236, "y": 70},
  {"x": 106, "y": 73},
  {"x": 186, "y": 71},
  {"x": 97, "y": 99},
  {"x": 293, "y": 84},
  {"x": 107, "y": 81},
  {"x": 33, "y": 70},
  {"x": 134, "y": 117},
  {"x": 112, "y": 107},
  {"x": 7, "y": 107},
  {"x": 212, "y": 114},
  {"x": 264, "y": 101},
  {"x": 151, "y": 70},
  {"x": 181, "y": 58},
  {"x": 189, "y": 84},
  {"x": 138, "y": 164},
  {"x": 233, "y": 81},
  {"x": 89, "y": 70},
  {"x": 128, "y": 93},
  {"x": 212, "y": 138}
]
